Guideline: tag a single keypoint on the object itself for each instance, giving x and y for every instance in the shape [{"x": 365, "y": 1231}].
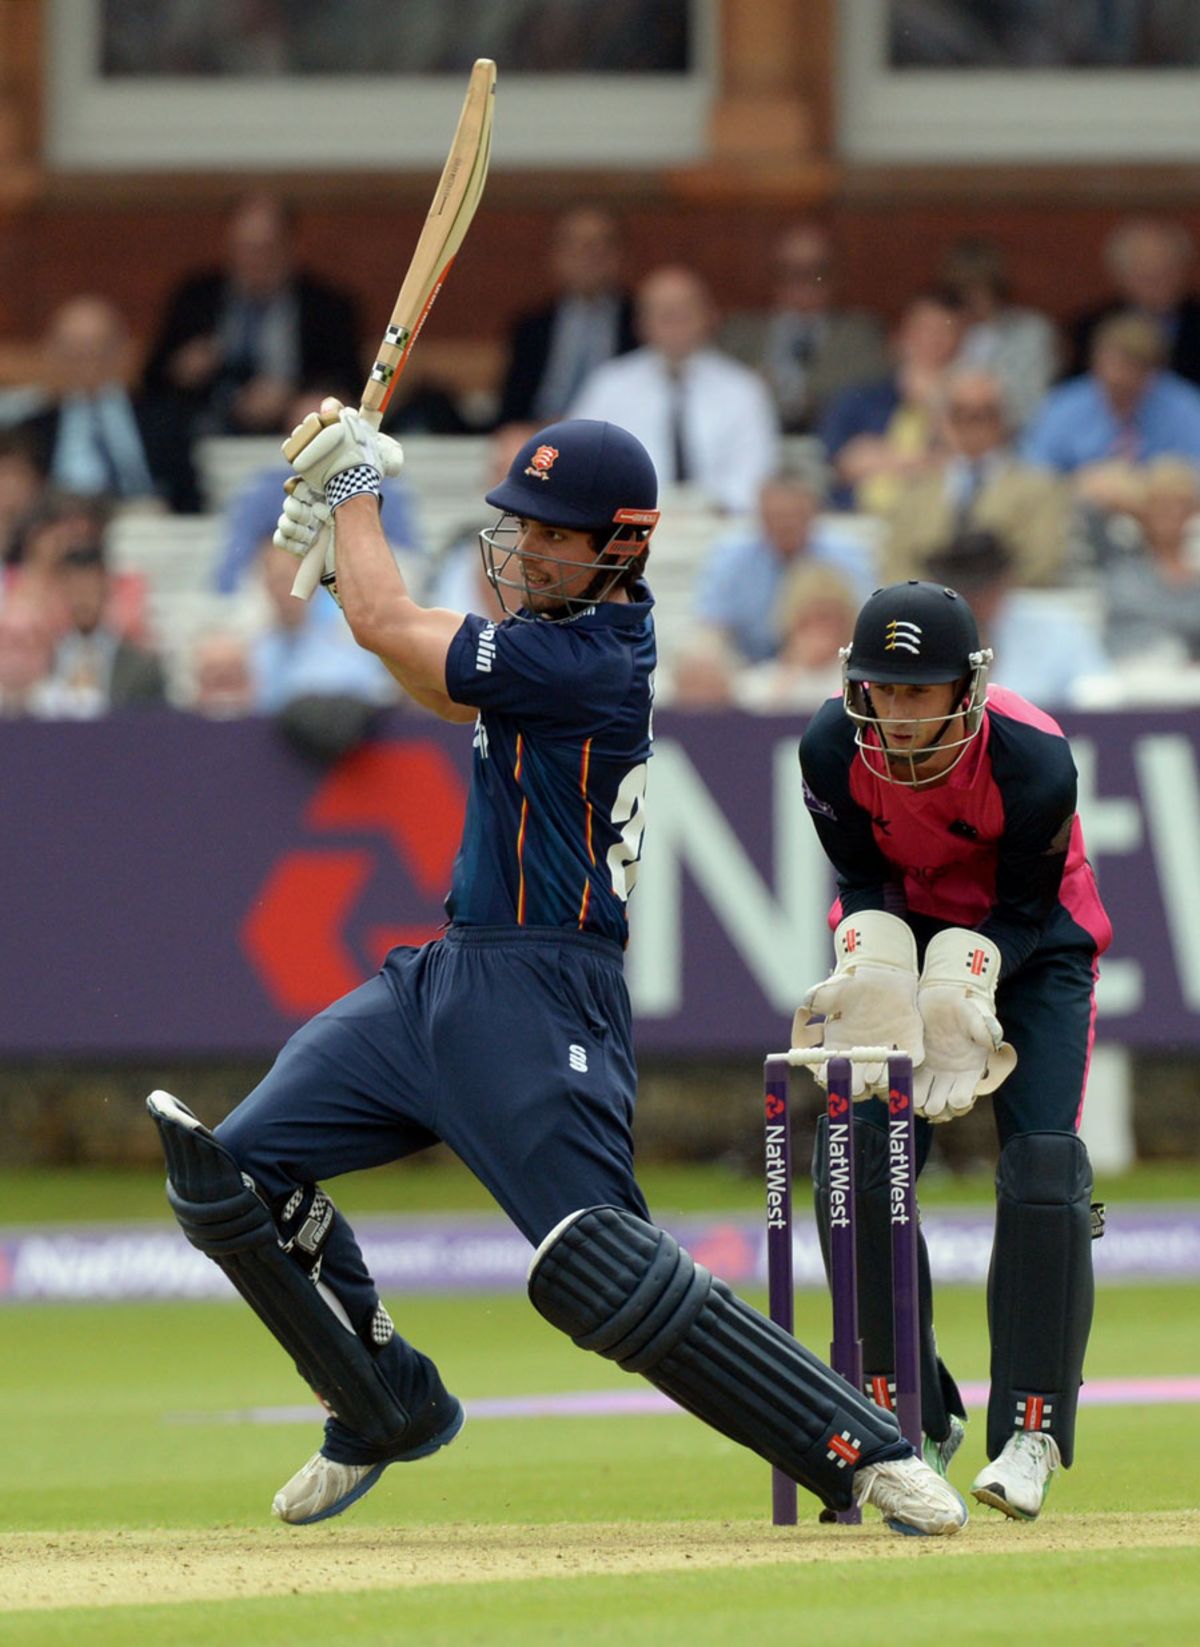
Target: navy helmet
[
  {"x": 586, "y": 476},
  {"x": 914, "y": 634}
]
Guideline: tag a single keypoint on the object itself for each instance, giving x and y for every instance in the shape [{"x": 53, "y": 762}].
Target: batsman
[
  {"x": 509, "y": 1036},
  {"x": 967, "y": 931}
]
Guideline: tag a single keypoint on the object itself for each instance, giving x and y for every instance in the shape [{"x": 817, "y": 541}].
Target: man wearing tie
[
  {"x": 707, "y": 421},
  {"x": 94, "y": 438}
]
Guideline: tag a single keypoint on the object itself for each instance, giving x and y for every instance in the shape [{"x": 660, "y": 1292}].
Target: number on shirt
[{"x": 629, "y": 821}]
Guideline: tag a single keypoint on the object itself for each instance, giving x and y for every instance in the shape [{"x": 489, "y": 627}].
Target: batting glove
[
  {"x": 340, "y": 454},
  {"x": 305, "y": 516},
  {"x": 870, "y": 998},
  {"x": 965, "y": 1050}
]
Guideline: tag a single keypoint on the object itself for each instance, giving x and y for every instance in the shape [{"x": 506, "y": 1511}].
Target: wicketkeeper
[{"x": 967, "y": 931}]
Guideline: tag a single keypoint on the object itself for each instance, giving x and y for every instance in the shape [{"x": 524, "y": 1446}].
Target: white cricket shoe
[
  {"x": 1017, "y": 1482},
  {"x": 323, "y": 1488},
  {"x": 911, "y": 1497}
]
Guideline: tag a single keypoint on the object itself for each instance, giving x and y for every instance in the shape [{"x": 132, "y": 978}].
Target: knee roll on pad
[
  {"x": 620, "y": 1286},
  {"x": 939, "y": 1393},
  {"x": 1040, "y": 1288},
  {"x": 224, "y": 1218}
]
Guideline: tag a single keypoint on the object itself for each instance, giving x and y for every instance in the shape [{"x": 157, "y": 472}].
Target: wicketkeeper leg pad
[
  {"x": 939, "y": 1393},
  {"x": 618, "y": 1285},
  {"x": 225, "y": 1219},
  {"x": 1040, "y": 1288}
]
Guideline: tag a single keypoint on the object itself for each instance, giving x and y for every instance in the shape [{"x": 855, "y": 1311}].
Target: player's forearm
[
  {"x": 369, "y": 583},
  {"x": 410, "y": 640}
]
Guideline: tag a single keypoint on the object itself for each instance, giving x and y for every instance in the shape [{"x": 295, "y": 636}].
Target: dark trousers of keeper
[{"x": 513, "y": 1046}]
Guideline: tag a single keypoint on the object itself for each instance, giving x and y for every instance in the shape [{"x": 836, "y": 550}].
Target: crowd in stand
[{"x": 1047, "y": 468}]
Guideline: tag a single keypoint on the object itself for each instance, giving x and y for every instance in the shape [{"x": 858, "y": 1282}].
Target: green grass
[
  {"x": 45, "y": 1195},
  {"x": 116, "y": 1422},
  {"x": 1137, "y": 1598}
]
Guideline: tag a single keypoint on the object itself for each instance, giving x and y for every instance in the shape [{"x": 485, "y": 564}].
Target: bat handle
[{"x": 311, "y": 569}]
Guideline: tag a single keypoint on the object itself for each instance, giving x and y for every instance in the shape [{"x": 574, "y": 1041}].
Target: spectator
[
  {"x": 700, "y": 676},
  {"x": 252, "y": 514},
  {"x": 1042, "y": 650},
  {"x": 706, "y": 420},
  {"x": 460, "y": 582},
  {"x": 26, "y": 653},
  {"x": 881, "y": 433},
  {"x": 977, "y": 480},
  {"x": 58, "y": 523},
  {"x": 94, "y": 438},
  {"x": 1150, "y": 262},
  {"x": 222, "y": 680},
  {"x": 817, "y": 610},
  {"x": 21, "y": 484},
  {"x": 95, "y": 669},
  {"x": 806, "y": 348},
  {"x": 1152, "y": 596},
  {"x": 310, "y": 674},
  {"x": 236, "y": 342},
  {"x": 1126, "y": 410},
  {"x": 554, "y": 348},
  {"x": 297, "y": 655},
  {"x": 1018, "y": 345},
  {"x": 740, "y": 588}
]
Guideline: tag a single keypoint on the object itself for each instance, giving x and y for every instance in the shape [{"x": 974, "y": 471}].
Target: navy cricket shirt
[{"x": 555, "y": 816}]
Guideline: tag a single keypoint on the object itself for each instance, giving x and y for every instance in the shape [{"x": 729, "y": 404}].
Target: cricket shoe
[
  {"x": 911, "y": 1497},
  {"x": 1017, "y": 1482},
  {"x": 938, "y": 1454},
  {"x": 323, "y": 1487}
]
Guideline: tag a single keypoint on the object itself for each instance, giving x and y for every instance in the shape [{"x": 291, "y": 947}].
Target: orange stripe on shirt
[
  {"x": 583, "y": 783},
  {"x": 521, "y": 834},
  {"x": 584, "y": 902},
  {"x": 521, "y": 864}
]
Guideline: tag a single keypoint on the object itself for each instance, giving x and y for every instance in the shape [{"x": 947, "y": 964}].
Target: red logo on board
[{"x": 409, "y": 801}]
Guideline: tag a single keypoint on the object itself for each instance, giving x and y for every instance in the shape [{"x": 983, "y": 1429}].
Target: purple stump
[
  {"x": 845, "y": 1353},
  {"x": 780, "y": 1289},
  {"x": 902, "y": 1185}
]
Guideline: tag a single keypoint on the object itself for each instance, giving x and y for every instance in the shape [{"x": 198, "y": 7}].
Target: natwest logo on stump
[{"x": 387, "y": 806}]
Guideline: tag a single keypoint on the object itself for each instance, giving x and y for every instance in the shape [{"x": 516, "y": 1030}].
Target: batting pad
[
  {"x": 1041, "y": 1290},
  {"x": 223, "y": 1217},
  {"x": 618, "y": 1285}
]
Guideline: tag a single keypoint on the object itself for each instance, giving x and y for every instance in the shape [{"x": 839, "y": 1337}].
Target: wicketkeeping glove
[
  {"x": 870, "y": 998},
  {"x": 965, "y": 1050}
]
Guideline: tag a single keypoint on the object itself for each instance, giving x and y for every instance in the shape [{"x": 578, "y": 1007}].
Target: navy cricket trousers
[{"x": 511, "y": 1045}]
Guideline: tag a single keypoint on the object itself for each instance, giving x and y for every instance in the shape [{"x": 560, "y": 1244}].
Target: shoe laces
[{"x": 1033, "y": 1454}]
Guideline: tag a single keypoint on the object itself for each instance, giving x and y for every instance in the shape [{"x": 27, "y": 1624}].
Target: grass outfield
[{"x": 134, "y": 1506}]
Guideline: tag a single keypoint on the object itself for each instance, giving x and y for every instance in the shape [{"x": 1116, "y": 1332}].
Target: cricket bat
[{"x": 447, "y": 221}]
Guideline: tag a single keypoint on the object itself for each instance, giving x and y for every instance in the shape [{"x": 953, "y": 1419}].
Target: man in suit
[
  {"x": 95, "y": 670},
  {"x": 95, "y": 438},
  {"x": 236, "y": 342},
  {"x": 554, "y": 348},
  {"x": 1150, "y": 262},
  {"x": 978, "y": 482},
  {"x": 807, "y": 349}
]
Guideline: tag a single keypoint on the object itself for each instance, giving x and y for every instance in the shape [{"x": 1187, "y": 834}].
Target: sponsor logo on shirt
[
  {"x": 815, "y": 804},
  {"x": 577, "y": 1057},
  {"x": 485, "y": 649}
]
